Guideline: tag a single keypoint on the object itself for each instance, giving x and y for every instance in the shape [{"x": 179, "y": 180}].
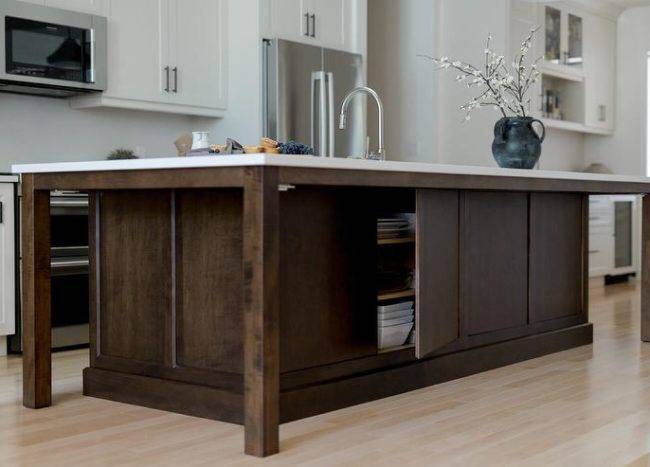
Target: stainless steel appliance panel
[
  {"x": 344, "y": 71},
  {"x": 304, "y": 86},
  {"x": 32, "y": 69}
]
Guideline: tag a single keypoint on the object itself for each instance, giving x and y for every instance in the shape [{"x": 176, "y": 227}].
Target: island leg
[
  {"x": 37, "y": 345},
  {"x": 645, "y": 271},
  {"x": 261, "y": 312}
]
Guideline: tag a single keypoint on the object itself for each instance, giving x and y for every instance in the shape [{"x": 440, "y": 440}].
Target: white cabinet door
[
  {"x": 94, "y": 7},
  {"x": 333, "y": 24},
  {"x": 198, "y": 53},
  {"x": 138, "y": 33},
  {"x": 328, "y": 22},
  {"x": 286, "y": 19},
  {"x": 600, "y": 68},
  {"x": 7, "y": 262}
]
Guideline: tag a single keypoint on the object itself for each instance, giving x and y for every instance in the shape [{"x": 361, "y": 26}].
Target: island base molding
[{"x": 228, "y": 405}]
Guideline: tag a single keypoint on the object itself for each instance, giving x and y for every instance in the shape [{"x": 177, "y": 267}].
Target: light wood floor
[{"x": 588, "y": 406}]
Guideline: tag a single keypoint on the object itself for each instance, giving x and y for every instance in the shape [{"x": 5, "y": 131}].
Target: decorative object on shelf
[
  {"x": 270, "y": 146},
  {"x": 504, "y": 88},
  {"x": 516, "y": 144},
  {"x": 598, "y": 168},
  {"x": 200, "y": 140},
  {"x": 183, "y": 144},
  {"x": 121, "y": 154},
  {"x": 292, "y": 147}
]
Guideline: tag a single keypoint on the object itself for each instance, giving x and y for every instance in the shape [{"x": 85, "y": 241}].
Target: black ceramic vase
[{"x": 516, "y": 144}]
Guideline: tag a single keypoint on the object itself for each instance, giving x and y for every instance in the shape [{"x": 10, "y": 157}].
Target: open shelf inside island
[{"x": 395, "y": 281}]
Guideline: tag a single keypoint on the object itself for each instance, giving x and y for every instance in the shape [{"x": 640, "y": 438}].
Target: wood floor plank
[{"x": 586, "y": 406}]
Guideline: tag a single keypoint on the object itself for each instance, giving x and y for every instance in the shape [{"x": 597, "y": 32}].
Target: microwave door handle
[
  {"x": 93, "y": 52},
  {"x": 330, "y": 110}
]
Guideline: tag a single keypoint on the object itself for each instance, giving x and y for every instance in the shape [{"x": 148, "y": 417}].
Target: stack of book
[
  {"x": 394, "y": 324},
  {"x": 394, "y": 227}
]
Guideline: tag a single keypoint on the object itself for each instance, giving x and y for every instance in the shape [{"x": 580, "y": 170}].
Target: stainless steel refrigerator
[{"x": 304, "y": 87}]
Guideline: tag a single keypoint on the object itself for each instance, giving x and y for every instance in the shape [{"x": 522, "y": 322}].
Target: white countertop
[
  {"x": 8, "y": 178},
  {"x": 310, "y": 162}
]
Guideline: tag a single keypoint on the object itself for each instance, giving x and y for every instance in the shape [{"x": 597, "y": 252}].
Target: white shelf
[
  {"x": 562, "y": 72},
  {"x": 574, "y": 126}
]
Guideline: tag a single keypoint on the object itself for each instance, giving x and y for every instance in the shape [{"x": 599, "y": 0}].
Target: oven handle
[
  {"x": 58, "y": 264},
  {"x": 60, "y": 203}
]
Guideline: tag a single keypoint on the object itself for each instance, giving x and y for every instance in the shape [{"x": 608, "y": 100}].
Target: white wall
[
  {"x": 397, "y": 32},
  {"x": 38, "y": 129},
  {"x": 424, "y": 122},
  {"x": 625, "y": 152}
]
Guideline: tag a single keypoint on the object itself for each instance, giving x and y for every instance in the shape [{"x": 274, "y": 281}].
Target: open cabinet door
[{"x": 437, "y": 308}]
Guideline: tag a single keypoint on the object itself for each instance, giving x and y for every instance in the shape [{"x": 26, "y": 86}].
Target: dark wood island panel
[{"x": 250, "y": 295}]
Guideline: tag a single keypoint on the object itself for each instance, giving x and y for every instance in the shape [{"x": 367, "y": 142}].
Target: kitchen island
[{"x": 246, "y": 288}]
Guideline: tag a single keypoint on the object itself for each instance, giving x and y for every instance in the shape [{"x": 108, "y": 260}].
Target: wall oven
[
  {"x": 69, "y": 271},
  {"x": 49, "y": 51}
]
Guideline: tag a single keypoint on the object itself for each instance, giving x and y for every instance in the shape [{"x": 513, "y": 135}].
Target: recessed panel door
[
  {"x": 494, "y": 261},
  {"x": 437, "y": 256}
]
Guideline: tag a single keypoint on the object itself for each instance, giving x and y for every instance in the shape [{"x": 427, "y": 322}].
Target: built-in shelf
[
  {"x": 397, "y": 349},
  {"x": 574, "y": 126},
  {"x": 562, "y": 72},
  {"x": 382, "y": 297},
  {"x": 396, "y": 241}
]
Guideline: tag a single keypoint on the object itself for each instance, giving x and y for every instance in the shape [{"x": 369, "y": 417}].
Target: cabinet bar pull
[
  {"x": 306, "y": 33},
  {"x": 313, "y": 26},
  {"x": 175, "y": 79},
  {"x": 166, "y": 79},
  {"x": 2, "y": 212},
  {"x": 591, "y": 252}
]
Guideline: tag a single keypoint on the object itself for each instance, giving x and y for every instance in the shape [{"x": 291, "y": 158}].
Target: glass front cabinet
[{"x": 563, "y": 38}]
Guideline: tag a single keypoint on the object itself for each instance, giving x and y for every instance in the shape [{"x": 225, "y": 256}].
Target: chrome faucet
[{"x": 381, "y": 152}]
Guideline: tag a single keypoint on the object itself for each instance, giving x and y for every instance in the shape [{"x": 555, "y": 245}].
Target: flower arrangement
[{"x": 501, "y": 87}]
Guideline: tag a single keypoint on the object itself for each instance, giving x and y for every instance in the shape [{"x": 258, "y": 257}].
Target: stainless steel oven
[
  {"x": 69, "y": 271},
  {"x": 49, "y": 51}
]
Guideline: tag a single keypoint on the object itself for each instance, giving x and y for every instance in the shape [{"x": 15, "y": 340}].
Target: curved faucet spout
[{"x": 380, "y": 108}]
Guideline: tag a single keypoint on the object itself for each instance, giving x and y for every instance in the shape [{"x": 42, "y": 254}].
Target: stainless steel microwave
[{"x": 51, "y": 52}]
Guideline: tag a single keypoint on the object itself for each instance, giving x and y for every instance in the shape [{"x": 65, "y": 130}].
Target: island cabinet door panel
[
  {"x": 134, "y": 249},
  {"x": 557, "y": 251},
  {"x": 437, "y": 312},
  {"x": 328, "y": 245},
  {"x": 494, "y": 261},
  {"x": 209, "y": 320}
]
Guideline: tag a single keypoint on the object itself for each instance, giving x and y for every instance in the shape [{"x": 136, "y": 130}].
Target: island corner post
[
  {"x": 261, "y": 305},
  {"x": 263, "y": 380}
]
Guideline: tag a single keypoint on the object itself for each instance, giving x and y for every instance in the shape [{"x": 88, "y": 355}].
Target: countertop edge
[{"x": 307, "y": 162}]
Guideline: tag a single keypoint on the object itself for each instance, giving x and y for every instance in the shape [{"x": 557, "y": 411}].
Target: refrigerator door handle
[
  {"x": 331, "y": 113},
  {"x": 319, "y": 78}
]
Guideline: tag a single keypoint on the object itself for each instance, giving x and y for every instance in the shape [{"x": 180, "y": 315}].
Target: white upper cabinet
[
  {"x": 7, "y": 261},
  {"x": 138, "y": 52},
  {"x": 165, "y": 56},
  {"x": 93, "y": 7},
  {"x": 600, "y": 71},
  {"x": 326, "y": 23},
  {"x": 563, "y": 38},
  {"x": 197, "y": 52},
  {"x": 578, "y": 49}
]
